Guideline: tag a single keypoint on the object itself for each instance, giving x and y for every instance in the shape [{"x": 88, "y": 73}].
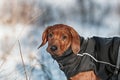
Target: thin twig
[{"x": 22, "y": 60}]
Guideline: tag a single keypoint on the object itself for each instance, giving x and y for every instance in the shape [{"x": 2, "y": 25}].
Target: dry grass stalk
[{"x": 22, "y": 60}]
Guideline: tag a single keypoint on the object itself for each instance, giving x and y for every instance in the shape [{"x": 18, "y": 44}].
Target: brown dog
[
  {"x": 60, "y": 37},
  {"x": 83, "y": 59}
]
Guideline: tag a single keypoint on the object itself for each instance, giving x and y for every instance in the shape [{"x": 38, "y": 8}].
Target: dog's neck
[{"x": 71, "y": 64}]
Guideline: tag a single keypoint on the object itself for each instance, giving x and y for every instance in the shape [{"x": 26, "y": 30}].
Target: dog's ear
[
  {"x": 75, "y": 45},
  {"x": 44, "y": 37}
]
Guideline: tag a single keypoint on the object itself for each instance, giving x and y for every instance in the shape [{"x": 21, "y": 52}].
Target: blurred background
[{"x": 23, "y": 21}]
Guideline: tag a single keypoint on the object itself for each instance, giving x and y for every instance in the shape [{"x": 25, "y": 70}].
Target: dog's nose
[{"x": 53, "y": 48}]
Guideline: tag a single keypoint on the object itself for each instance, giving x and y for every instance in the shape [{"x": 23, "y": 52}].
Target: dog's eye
[
  {"x": 50, "y": 35},
  {"x": 64, "y": 37}
]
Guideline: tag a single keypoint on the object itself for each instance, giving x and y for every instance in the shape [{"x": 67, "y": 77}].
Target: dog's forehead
[{"x": 58, "y": 30}]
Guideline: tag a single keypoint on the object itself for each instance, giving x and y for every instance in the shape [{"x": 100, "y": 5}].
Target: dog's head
[{"x": 60, "y": 37}]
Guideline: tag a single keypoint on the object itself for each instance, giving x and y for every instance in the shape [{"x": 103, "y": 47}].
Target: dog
[{"x": 95, "y": 58}]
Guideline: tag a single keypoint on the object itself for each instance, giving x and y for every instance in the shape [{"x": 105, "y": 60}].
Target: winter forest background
[{"x": 23, "y": 21}]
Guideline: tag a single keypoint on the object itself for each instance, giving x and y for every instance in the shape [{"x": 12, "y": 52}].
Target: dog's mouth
[{"x": 54, "y": 51}]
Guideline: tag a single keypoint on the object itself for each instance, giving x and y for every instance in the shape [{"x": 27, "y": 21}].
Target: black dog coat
[{"x": 97, "y": 54}]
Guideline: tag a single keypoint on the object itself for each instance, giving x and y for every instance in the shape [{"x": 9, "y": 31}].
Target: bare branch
[{"x": 22, "y": 60}]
